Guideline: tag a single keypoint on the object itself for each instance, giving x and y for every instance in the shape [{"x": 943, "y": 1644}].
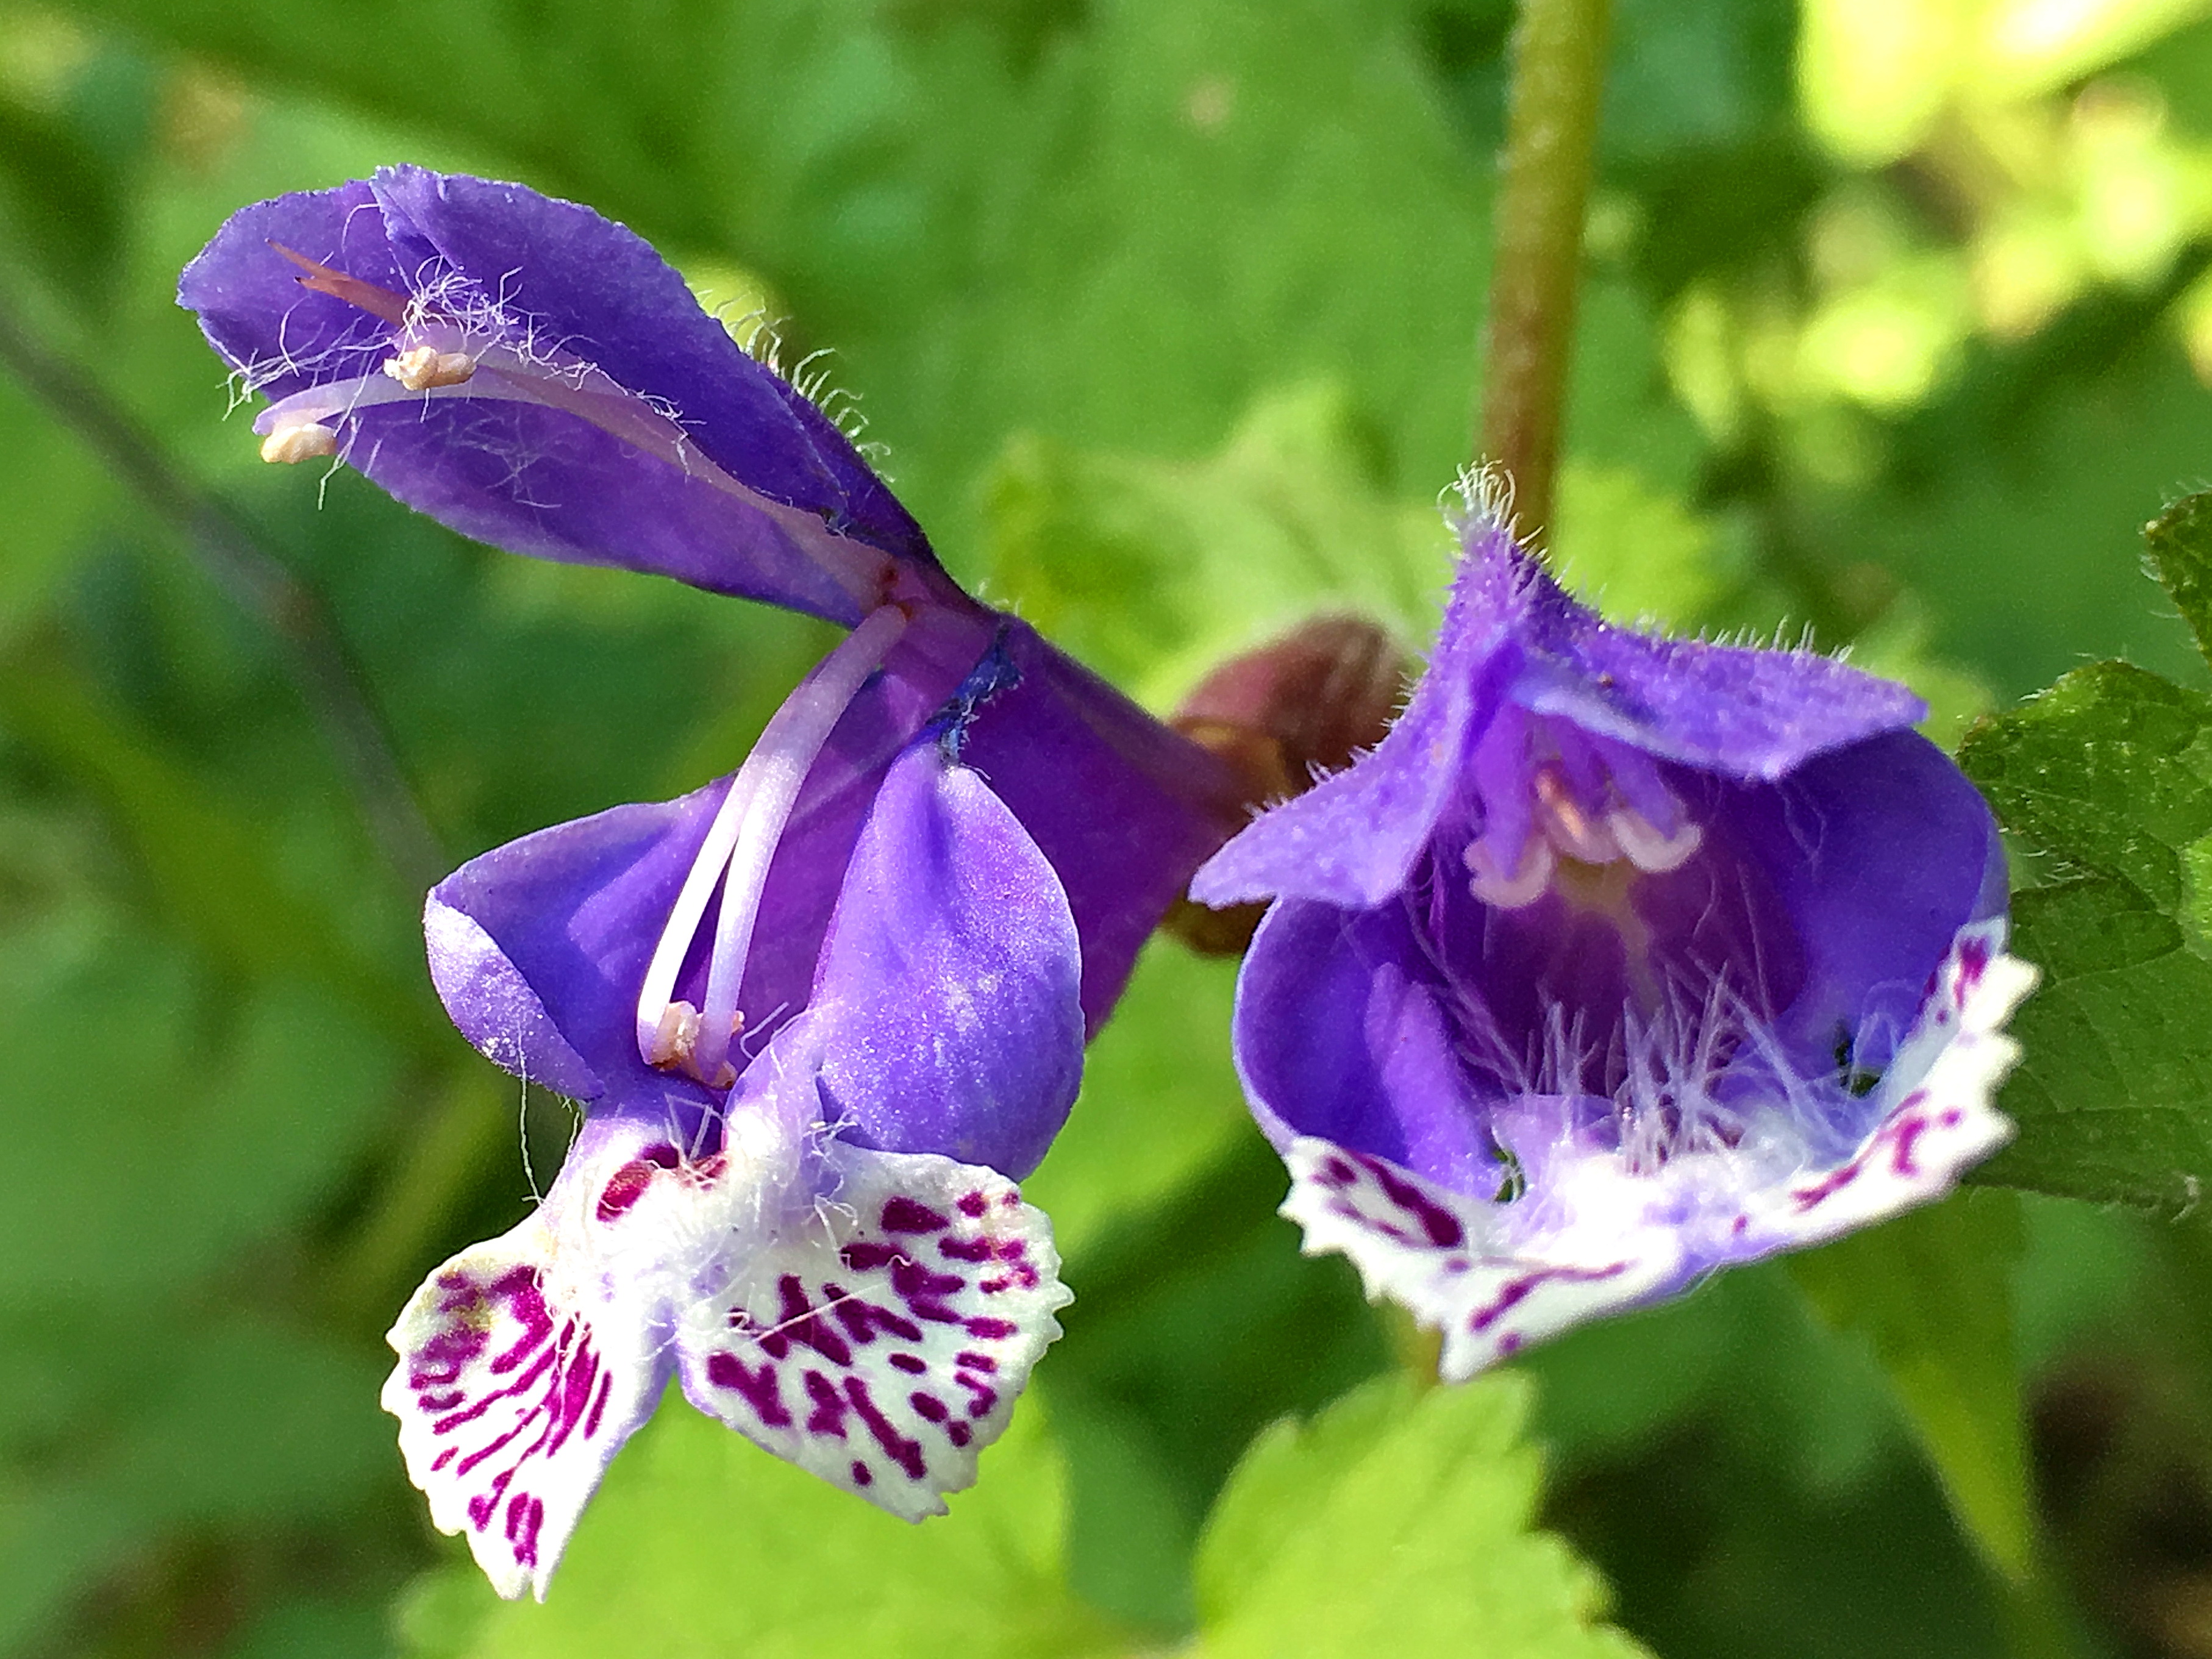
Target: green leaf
[
  {"x": 213, "y": 866},
  {"x": 2178, "y": 548},
  {"x": 1152, "y": 571},
  {"x": 1398, "y": 1521},
  {"x": 1160, "y": 1100},
  {"x": 233, "y": 1426},
  {"x": 1931, "y": 1292},
  {"x": 171, "y": 1125},
  {"x": 2107, "y": 778},
  {"x": 701, "y": 1545}
]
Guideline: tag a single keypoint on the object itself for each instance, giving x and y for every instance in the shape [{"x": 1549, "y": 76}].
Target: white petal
[{"x": 881, "y": 1342}]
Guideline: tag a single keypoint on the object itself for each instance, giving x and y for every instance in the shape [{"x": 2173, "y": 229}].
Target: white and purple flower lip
[
  {"x": 820, "y": 1015},
  {"x": 1620, "y": 959}
]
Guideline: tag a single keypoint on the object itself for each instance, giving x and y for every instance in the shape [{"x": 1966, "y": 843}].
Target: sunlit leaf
[{"x": 1398, "y": 1521}]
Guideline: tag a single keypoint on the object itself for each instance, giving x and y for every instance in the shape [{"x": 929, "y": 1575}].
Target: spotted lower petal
[
  {"x": 1941, "y": 1120},
  {"x": 1422, "y": 1246},
  {"x": 1597, "y": 1234},
  {"x": 513, "y": 1397},
  {"x": 881, "y": 1339}
]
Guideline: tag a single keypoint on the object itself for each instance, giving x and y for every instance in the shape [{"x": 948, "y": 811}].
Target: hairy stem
[
  {"x": 319, "y": 664},
  {"x": 1558, "y": 75}
]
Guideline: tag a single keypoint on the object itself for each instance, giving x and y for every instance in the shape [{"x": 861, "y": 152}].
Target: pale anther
[
  {"x": 1523, "y": 887},
  {"x": 287, "y": 444},
  {"x": 675, "y": 1038},
  {"x": 1568, "y": 826},
  {"x": 1646, "y": 847},
  {"x": 421, "y": 368}
]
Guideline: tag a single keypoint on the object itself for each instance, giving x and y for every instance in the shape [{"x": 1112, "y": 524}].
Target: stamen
[
  {"x": 674, "y": 1037},
  {"x": 1646, "y": 849},
  {"x": 738, "y": 846},
  {"x": 1568, "y": 826},
  {"x": 423, "y": 366},
  {"x": 290, "y": 443},
  {"x": 574, "y": 387},
  {"x": 1523, "y": 887}
]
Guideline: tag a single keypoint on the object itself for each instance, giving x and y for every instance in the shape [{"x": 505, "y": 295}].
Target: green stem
[{"x": 1558, "y": 75}]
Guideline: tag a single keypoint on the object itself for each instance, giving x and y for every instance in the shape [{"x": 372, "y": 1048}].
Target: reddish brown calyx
[{"x": 1282, "y": 717}]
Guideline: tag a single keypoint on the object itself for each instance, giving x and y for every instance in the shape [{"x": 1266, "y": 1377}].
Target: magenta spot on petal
[
  {"x": 958, "y": 1433},
  {"x": 827, "y": 1416},
  {"x": 912, "y": 1363},
  {"x": 974, "y": 1203},
  {"x": 903, "y": 1215},
  {"x": 1953, "y": 1118},
  {"x": 863, "y": 1320},
  {"x": 1509, "y": 1343},
  {"x": 862, "y": 1474},
  {"x": 966, "y": 1250},
  {"x": 628, "y": 1184},
  {"x": 991, "y": 1329},
  {"x": 758, "y": 1387},
  {"x": 525, "y": 1515},
  {"x": 1515, "y": 1291},
  {"x": 1439, "y": 1224},
  {"x": 444, "y": 1458},
  {"x": 600, "y": 1406},
  {"x": 796, "y": 1322},
  {"x": 1738, "y": 1225},
  {"x": 1456, "y": 1264},
  {"x": 1908, "y": 1131},
  {"x": 866, "y": 1257},
  {"x": 975, "y": 1362},
  {"x": 906, "y": 1453},
  {"x": 927, "y": 1406},
  {"x": 982, "y": 1395},
  {"x": 1335, "y": 1172}
]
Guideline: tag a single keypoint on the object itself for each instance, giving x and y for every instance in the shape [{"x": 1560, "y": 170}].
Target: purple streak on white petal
[{"x": 525, "y": 1362}]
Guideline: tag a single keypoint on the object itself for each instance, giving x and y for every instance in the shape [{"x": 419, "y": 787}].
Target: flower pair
[{"x": 1616, "y": 961}]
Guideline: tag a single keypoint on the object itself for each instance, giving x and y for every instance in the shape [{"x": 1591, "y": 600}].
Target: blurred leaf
[
  {"x": 2108, "y": 777},
  {"x": 1196, "y": 1321},
  {"x": 188, "y": 1426},
  {"x": 213, "y": 869},
  {"x": 701, "y": 1545},
  {"x": 1398, "y": 1520},
  {"x": 1931, "y": 1291},
  {"x": 2178, "y": 548},
  {"x": 1741, "y": 1360},
  {"x": 1152, "y": 571},
  {"x": 170, "y": 1125},
  {"x": 1636, "y": 551},
  {"x": 1160, "y": 1100}
]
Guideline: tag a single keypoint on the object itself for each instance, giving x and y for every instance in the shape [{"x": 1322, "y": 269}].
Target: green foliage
[
  {"x": 1169, "y": 315},
  {"x": 1931, "y": 1292},
  {"x": 1395, "y": 1514},
  {"x": 702, "y": 1544},
  {"x": 1397, "y": 1519},
  {"x": 2104, "y": 779},
  {"x": 1155, "y": 570}
]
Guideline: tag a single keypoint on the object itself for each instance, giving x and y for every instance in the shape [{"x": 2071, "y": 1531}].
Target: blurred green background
[{"x": 1897, "y": 325}]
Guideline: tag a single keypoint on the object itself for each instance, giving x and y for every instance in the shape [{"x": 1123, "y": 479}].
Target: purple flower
[
  {"x": 1619, "y": 960},
  {"x": 820, "y": 1015}
]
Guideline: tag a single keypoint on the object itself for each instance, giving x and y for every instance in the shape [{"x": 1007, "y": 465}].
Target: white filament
[{"x": 739, "y": 844}]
